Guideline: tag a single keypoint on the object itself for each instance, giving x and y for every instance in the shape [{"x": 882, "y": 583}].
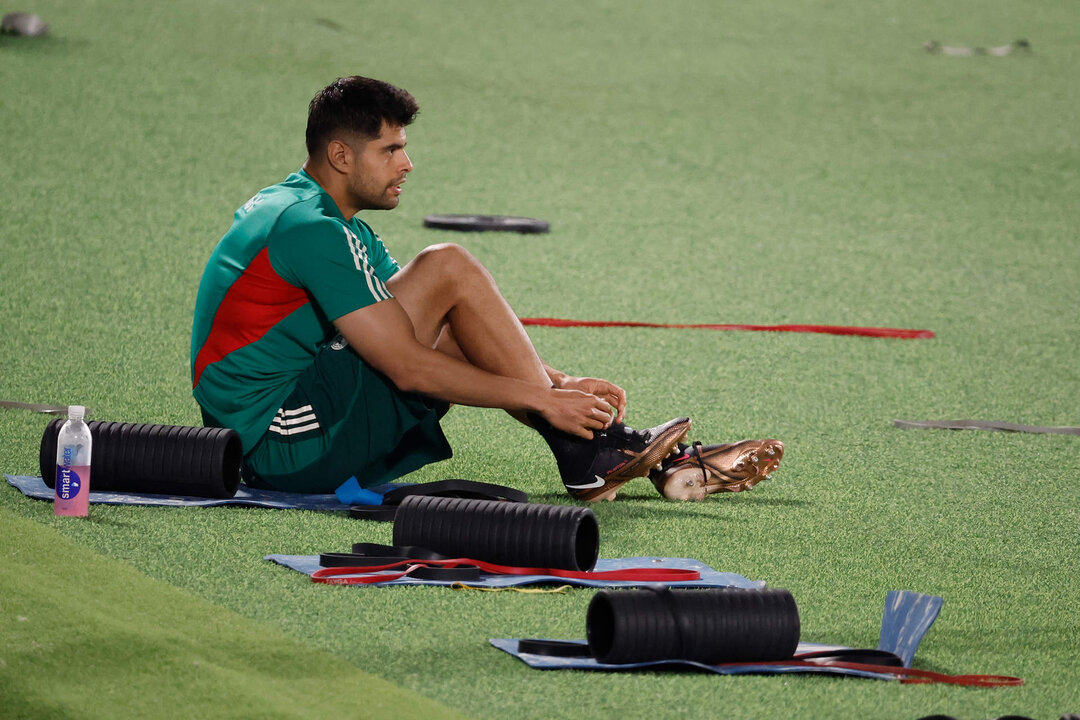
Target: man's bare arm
[{"x": 383, "y": 335}]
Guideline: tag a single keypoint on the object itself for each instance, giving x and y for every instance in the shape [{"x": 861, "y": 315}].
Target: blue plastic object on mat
[
  {"x": 908, "y": 615},
  {"x": 350, "y": 493},
  {"x": 36, "y": 488},
  {"x": 551, "y": 662},
  {"x": 308, "y": 564}
]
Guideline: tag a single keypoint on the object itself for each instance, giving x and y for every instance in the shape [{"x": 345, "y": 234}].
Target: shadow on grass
[
  {"x": 43, "y": 44},
  {"x": 109, "y": 522},
  {"x": 654, "y": 503}
]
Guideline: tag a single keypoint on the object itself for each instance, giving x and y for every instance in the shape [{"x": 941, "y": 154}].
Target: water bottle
[{"x": 73, "y": 465}]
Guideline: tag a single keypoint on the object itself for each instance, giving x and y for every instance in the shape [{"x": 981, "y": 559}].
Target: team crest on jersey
[
  {"x": 250, "y": 204},
  {"x": 339, "y": 343}
]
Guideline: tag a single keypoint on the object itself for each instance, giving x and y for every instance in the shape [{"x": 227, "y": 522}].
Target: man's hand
[
  {"x": 576, "y": 412},
  {"x": 611, "y": 393},
  {"x": 383, "y": 335}
]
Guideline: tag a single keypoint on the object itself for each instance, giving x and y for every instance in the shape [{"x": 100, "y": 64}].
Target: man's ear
[{"x": 339, "y": 155}]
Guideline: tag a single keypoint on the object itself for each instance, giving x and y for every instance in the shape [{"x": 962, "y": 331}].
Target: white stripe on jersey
[
  {"x": 388, "y": 255},
  {"x": 353, "y": 241},
  {"x": 360, "y": 259},
  {"x": 374, "y": 283}
]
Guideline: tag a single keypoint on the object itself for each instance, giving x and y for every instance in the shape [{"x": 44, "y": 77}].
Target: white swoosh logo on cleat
[{"x": 599, "y": 483}]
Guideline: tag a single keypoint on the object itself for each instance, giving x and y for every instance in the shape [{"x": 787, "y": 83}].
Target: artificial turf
[
  {"x": 85, "y": 635},
  {"x": 700, "y": 162}
]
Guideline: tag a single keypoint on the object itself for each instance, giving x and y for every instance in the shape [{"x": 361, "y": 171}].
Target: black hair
[{"x": 357, "y": 105}]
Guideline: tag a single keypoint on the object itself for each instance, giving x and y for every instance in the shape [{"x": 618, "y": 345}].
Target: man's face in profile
[{"x": 379, "y": 169}]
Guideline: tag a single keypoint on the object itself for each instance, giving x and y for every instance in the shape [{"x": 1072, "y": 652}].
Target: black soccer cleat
[{"x": 620, "y": 454}]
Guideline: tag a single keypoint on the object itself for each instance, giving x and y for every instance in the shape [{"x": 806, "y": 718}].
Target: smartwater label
[{"x": 68, "y": 483}]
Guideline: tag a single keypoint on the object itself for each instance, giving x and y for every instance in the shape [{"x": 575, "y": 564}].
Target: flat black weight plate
[
  {"x": 465, "y": 573},
  {"x": 353, "y": 560},
  {"x": 487, "y": 223},
  {"x": 554, "y": 648},
  {"x": 20, "y": 23},
  {"x": 455, "y": 487},
  {"x": 404, "y": 551},
  {"x": 379, "y": 513}
]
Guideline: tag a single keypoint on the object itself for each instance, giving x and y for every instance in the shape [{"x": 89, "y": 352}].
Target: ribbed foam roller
[
  {"x": 520, "y": 534},
  {"x": 159, "y": 459},
  {"x": 708, "y": 626}
]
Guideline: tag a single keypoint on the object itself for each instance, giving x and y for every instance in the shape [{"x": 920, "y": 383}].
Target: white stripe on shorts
[
  {"x": 294, "y": 422},
  {"x": 278, "y": 422},
  {"x": 294, "y": 431},
  {"x": 283, "y": 413}
]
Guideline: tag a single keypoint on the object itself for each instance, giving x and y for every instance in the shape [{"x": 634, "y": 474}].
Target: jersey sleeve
[
  {"x": 382, "y": 263},
  {"x": 339, "y": 267}
]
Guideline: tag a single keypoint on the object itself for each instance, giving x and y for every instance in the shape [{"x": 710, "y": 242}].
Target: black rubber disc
[
  {"x": 378, "y": 513},
  {"x": 25, "y": 24},
  {"x": 465, "y": 573},
  {"x": 554, "y": 648},
  {"x": 353, "y": 560},
  {"x": 455, "y": 487},
  {"x": 487, "y": 223},
  {"x": 404, "y": 551}
]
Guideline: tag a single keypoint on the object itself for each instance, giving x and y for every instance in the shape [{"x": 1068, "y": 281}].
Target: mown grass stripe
[{"x": 88, "y": 636}]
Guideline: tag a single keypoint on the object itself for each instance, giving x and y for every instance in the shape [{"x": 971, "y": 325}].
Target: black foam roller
[
  {"x": 158, "y": 459},
  {"x": 520, "y": 534},
  {"x": 708, "y": 626}
]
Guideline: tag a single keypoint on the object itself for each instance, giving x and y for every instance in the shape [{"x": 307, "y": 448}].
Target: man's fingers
[
  {"x": 618, "y": 404},
  {"x": 617, "y": 396},
  {"x": 596, "y": 419},
  {"x": 603, "y": 410},
  {"x": 582, "y": 414}
]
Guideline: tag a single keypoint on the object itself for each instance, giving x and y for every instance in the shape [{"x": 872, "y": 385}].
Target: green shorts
[{"x": 345, "y": 419}]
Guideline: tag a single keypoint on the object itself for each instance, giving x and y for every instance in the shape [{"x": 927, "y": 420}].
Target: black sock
[{"x": 573, "y": 455}]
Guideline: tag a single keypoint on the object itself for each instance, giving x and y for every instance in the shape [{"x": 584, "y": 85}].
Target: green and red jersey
[{"x": 288, "y": 267}]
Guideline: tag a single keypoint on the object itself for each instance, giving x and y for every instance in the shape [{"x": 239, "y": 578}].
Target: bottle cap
[{"x": 76, "y": 412}]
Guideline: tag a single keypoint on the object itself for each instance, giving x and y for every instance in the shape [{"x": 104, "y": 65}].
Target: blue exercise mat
[
  {"x": 908, "y": 616},
  {"x": 308, "y": 564},
  {"x": 36, "y": 488}
]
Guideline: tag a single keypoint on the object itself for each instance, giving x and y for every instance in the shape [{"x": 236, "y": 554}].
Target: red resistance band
[
  {"x": 906, "y": 675},
  {"x": 826, "y": 329},
  {"x": 368, "y": 575},
  {"x": 376, "y": 574}
]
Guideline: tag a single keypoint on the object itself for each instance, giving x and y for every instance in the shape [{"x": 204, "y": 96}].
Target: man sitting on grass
[{"x": 331, "y": 361}]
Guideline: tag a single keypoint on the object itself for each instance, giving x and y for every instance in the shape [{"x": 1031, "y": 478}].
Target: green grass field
[{"x": 783, "y": 162}]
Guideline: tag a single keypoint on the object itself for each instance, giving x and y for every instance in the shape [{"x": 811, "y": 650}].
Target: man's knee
[
  {"x": 446, "y": 255},
  {"x": 453, "y": 264}
]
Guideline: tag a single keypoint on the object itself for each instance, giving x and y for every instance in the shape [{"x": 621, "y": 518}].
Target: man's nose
[{"x": 408, "y": 166}]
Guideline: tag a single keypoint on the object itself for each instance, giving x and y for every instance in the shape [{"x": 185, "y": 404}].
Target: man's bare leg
[{"x": 456, "y": 307}]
